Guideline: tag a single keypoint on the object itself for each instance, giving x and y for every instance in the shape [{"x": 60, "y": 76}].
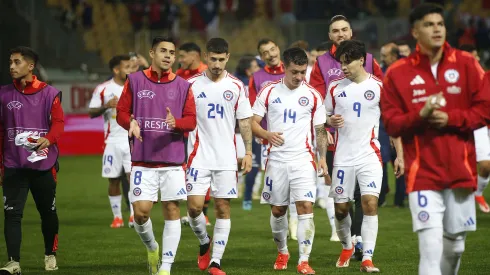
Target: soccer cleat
[
  {"x": 357, "y": 251},
  {"x": 215, "y": 269},
  {"x": 153, "y": 260},
  {"x": 207, "y": 221},
  {"x": 163, "y": 272},
  {"x": 247, "y": 205},
  {"x": 482, "y": 204},
  {"x": 321, "y": 203},
  {"x": 305, "y": 268},
  {"x": 344, "y": 258},
  {"x": 293, "y": 228},
  {"x": 368, "y": 267},
  {"x": 50, "y": 263},
  {"x": 131, "y": 222},
  {"x": 12, "y": 268},
  {"x": 334, "y": 237},
  {"x": 281, "y": 261},
  {"x": 204, "y": 257},
  {"x": 117, "y": 222}
]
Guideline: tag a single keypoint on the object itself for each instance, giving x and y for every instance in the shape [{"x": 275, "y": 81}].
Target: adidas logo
[
  {"x": 372, "y": 184},
  {"x": 309, "y": 195},
  {"x": 202, "y": 95},
  {"x": 307, "y": 242},
  {"x": 220, "y": 242},
  {"x": 342, "y": 94},
  {"x": 469, "y": 222},
  {"x": 277, "y": 100},
  {"x": 232, "y": 192},
  {"x": 181, "y": 192},
  {"x": 370, "y": 251},
  {"x": 169, "y": 254},
  {"x": 418, "y": 80},
  {"x": 115, "y": 206}
]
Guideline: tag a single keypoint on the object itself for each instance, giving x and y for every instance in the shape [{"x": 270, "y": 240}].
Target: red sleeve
[
  {"x": 317, "y": 81},
  {"x": 124, "y": 107},
  {"x": 396, "y": 120},
  {"x": 57, "y": 122},
  {"x": 252, "y": 92},
  {"x": 188, "y": 121},
  {"x": 377, "y": 70}
]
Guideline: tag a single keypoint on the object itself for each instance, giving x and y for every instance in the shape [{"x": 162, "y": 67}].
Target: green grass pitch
[{"x": 87, "y": 245}]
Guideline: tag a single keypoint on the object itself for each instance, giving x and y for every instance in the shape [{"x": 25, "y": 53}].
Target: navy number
[
  {"x": 108, "y": 158},
  {"x": 421, "y": 199},
  {"x": 215, "y": 109},
  {"x": 268, "y": 182},
  {"x": 340, "y": 176},
  {"x": 137, "y": 177},
  {"x": 193, "y": 172},
  {"x": 357, "y": 108},
  {"x": 289, "y": 114}
]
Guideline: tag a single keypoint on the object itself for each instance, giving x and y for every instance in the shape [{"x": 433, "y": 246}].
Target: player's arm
[
  {"x": 244, "y": 115},
  {"x": 336, "y": 121},
  {"x": 377, "y": 70},
  {"x": 317, "y": 81},
  {"x": 319, "y": 120},
  {"x": 398, "y": 165},
  {"x": 97, "y": 107},
  {"x": 188, "y": 121},
  {"x": 252, "y": 92},
  {"x": 125, "y": 107},
  {"x": 259, "y": 111},
  {"x": 57, "y": 126}
]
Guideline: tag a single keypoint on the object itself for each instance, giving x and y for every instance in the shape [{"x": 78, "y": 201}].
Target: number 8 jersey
[
  {"x": 358, "y": 103},
  {"x": 212, "y": 144}
]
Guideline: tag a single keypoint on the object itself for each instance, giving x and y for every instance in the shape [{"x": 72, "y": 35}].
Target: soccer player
[
  {"x": 190, "y": 61},
  {"x": 29, "y": 104},
  {"x": 157, "y": 107},
  {"x": 353, "y": 110},
  {"x": 294, "y": 110},
  {"x": 117, "y": 157},
  {"x": 433, "y": 101},
  {"x": 403, "y": 48},
  {"x": 212, "y": 151}
]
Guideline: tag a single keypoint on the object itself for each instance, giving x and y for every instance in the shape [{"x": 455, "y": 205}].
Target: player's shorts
[
  {"x": 116, "y": 158},
  {"x": 240, "y": 147},
  {"x": 263, "y": 157},
  {"x": 482, "y": 143},
  {"x": 146, "y": 182},
  {"x": 223, "y": 183},
  {"x": 289, "y": 181},
  {"x": 451, "y": 209},
  {"x": 369, "y": 176}
]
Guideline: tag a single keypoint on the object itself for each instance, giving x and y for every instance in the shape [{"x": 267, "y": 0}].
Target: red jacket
[{"x": 436, "y": 159}]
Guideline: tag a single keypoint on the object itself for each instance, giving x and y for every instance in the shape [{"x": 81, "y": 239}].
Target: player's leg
[
  {"x": 15, "y": 189},
  {"x": 384, "y": 186},
  {"x": 126, "y": 164},
  {"x": 293, "y": 220},
  {"x": 198, "y": 183},
  {"x": 459, "y": 218},
  {"x": 125, "y": 188},
  {"x": 172, "y": 190},
  {"x": 330, "y": 205},
  {"x": 112, "y": 169},
  {"x": 356, "y": 227},
  {"x": 427, "y": 209},
  {"x": 482, "y": 148},
  {"x": 252, "y": 175},
  {"x": 205, "y": 208}
]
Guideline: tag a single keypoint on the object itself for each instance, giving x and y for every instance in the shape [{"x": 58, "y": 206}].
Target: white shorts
[
  {"x": 482, "y": 143},
  {"x": 263, "y": 159},
  {"x": 451, "y": 209},
  {"x": 116, "y": 157},
  {"x": 288, "y": 181},
  {"x": 240, "y": 147},
  {"x": 223, "y": 183},
  {"x": 369, "y": 177},
  {"x": 145, "y": 183}
]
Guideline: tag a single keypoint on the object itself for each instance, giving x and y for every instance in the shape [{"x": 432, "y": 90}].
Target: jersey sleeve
[
  {"x": 97, "y": 97},
  {"x": 259, "y": 105},
  {"x": 329, "y": 100},
  {"x": 243, "y": 110}
]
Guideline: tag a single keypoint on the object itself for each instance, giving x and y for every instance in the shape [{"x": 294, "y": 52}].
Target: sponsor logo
[
  {"x": 169, "y": 254},
  {"x": 451, "y": 76},
  {"x": 470, "y": 222},
  {"x": 309, "y": 195},
  {"x": 334, "y": 71},
  {"x": 277, "y": 100},
  {"x": 423, "y": 216},
  {"x": 369, "y": 95},
  {"x": 418, "y": 92},
  {"x": 222, "y": 242},
  {"x": 228, "y": 95},
  {"x": 202, "y": 95},
  {"x": 418, "y": 80},
  {"x": 145, "y": 93},
  {"x": 154, "y": 124},
  {"x": 232, "y": 192},
  {"x": 181, "y": 192},
  {"x": 13, "y": 132},
  {"x": 372, "y": 185},
  {"x": 343, "y": 94},
  {"x": 306, "y": 242},
  {"x": 420, "y": 99},
  {"x": 303, "y": 101},
  {"x": 453, "y": 90},
  {"x": 14, "y": 105},
  {"x": 137, "y": 191}
]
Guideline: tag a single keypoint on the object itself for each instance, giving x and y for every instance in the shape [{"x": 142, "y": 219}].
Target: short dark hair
[
  {"x": 300, "y": 44},
  {"x": 402, "y": 42},
  {"x": 244, "y": 64},
  {"x": 217, "y": 45},
  {"x": 27, "y": 53},
  {"x": 159, "y": 39},
  {"x": 264, "y": 41},
  {"x": 468, "y": 48},
  {"x": 325, "y": 46},
  {"x": 420, "y": 11},
  {"x": 295, "y": 55},
  {"x": 352, "y": 49},
  {"x": 116, "y": 60},
  {"x": 336, "y": 18},
  {"x": 190, "y": 47}
]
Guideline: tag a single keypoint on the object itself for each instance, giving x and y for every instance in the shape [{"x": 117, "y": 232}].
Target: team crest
[
  {"x": 423, "y": 216},
  {"x": 369, "y": 95},
  {"x": 266, "y": 196},
  {"x": 137, "y": 191},
  {"x": 107, "y": 170},
  {"x": 451, "y": 76},
  {"x": 14, "y": 105},
  {"x": 303, "y": 101},
  {"x": 188, "y": 187},
  {"x": 228, "y": 95},
  {"x": 339, "y": 190},
  {"x": 145, "y": 93}
]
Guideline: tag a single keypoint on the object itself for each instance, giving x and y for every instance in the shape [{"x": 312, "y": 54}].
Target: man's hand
[
  {"x": 330, "y": 140},
  {"x": 170, "y": 120},
  {"x": 275, "y": 138},
  {"x": 322, "y": 167},
  {"x": 434, "y": 102},
  {"x": 247, "y": 163},
  {"x": 112, "y": 103},
  {"x": 336, "y": 121},
  {"x": 438, "y": 119},
  {"x": 398, "y": 167},
  {"x": 42, "y": 143},
  {"x": 328, "y": 180},
  {"x": 134, "y": 129}
]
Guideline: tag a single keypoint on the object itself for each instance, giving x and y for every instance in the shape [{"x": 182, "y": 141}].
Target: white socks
[
  {"x": 453, "y": 248},
  {"x": 170, "y": 243},
  {"x": 369, "y": 232},
  {"x": 146, "y": 234},
  {"x": 292, "y": 211},
  {"x": 482, "y": 184},
  {"x": 343, "y": 231},
  {"x": 131, "y": 210},
  {"x": 330, "y": 207},
  {"x": 221, "y": 232},
  {"x": 198, "y": 225},
  {"x": 430, "y": 249},
  {"x": 306, "y": 234},
  {"x": 116, "y": 205},
  {"x": 279, "y": 228}
]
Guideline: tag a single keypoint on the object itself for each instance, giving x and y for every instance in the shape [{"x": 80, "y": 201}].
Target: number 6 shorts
[
  {"x": 289, "y": 181},
  {"x": 146, "y": 182},
  {"x": 369, "y": 176}
]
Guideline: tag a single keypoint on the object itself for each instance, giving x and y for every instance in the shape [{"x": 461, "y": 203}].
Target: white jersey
[
  {"x": 294, "y": 113},
  {"x": 212, "y": 144},
  {"x": 358, "y": 104},
  {"x": 113, "y": 133}
]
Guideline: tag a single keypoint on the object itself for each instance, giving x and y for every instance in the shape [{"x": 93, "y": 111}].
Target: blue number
[
  {"x": 268, "y": 182},
  {"x": 421, "y": 199},
  {"x": 193, "y": 172},
  {"x": 215, "y": 109},
  {"x": 340, "y": 176},
  {"x": 137, "y": 177},
  {"x": 357, "y": 108},
  {"x": 108, "y": 158},
  {"x": 289, "y": 114}
]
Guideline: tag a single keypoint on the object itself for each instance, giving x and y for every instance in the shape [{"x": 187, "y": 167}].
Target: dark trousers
[
  {"x": 16, "y": 186},
  {"x": 384, "y": 185},
  {"x": 250, "y": 177}
]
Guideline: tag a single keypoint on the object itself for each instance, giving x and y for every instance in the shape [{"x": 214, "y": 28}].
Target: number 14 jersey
[
  {"x": 358, "y": 103},
  {"x": 212, "y": 144}
]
